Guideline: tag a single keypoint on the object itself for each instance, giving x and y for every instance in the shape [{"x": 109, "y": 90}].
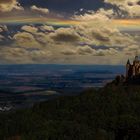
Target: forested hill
[{"x": 110, "y": 113}]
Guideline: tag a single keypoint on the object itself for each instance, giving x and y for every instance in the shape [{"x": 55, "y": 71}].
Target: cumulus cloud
[
  {"x": 3, "y": 28},
  {"x": 96, "y": 38},
  {"x": 39, "y": 10},
  {"x": 8, "y": 5},
  {"x": 46, "y": 28},
  {"x": 2, "y": 37},
  {"x": 85, "y": 50},
  {"x": 107, "y": 52},
  {"x": 30, "y": 29},
  {"x": 21, "y": 55},
  {"x": 26, "y": 40},
  {"x": 101, "y": 31},
  {"x": 130, "y": 8},
  {"x": 44, "y": 44},
  {"x": 132, "y": 50},
  {"x": 68, "y": 52},
  {"x": 65, "y": 35},
  {"x": 92, "y": 16}
]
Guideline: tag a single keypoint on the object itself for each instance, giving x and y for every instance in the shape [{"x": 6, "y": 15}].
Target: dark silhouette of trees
[{"x": 109, "y": 113}]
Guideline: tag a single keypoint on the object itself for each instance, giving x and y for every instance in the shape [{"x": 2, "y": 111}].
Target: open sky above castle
[{"x": 69, "y": 31}]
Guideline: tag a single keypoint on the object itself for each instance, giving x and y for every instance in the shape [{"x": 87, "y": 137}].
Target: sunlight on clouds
[
  {"x": 39, "y": 10},
  {"x": 131, "y": 7},
  {"x": 95, "y": 37},
  {"x": 8, "y": 5}
]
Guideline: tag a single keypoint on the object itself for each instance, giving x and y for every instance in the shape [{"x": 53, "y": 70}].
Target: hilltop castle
[
  {"x": 133, "y": 70},
  {"x": 132, "y": 74}
]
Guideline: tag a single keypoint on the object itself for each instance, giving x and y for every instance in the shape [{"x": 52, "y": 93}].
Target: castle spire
[
  {"x": 128, "y": 62},
  {"x": 128, "y": 68}
]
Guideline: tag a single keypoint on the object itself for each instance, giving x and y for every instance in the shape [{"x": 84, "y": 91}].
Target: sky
[{"x": 104, "y": 32}]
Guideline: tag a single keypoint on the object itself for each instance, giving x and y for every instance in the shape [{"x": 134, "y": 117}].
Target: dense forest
[{"x": 109, "y": 113}]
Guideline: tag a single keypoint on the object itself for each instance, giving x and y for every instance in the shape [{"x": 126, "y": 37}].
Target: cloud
[
  {"x": 18, "y": 55},
  {"x": 40, "y": 55},
  {"x": 85, "y": 50},
  {"x": 91, "y": 16},
  {"x": 3, "y": 28},
  {"x": 30, "y": 29},
  {"x": 13, "y": 55},
  {"x": 46, "y": 28},
  {"x": 132, "y": 50},
  {"x": 98, "y": 30},
  {"x": 26, "y": 40},
  {"x": 128, "y": 8},
  {"x": 67, "y": 35},
  {"x": 107, "y": 52},
  {"x": 96, "y": 40},
  {"x": 2, "y": 37},
  {"x": 39, "y": 10},
  {"x": 8, "y": 5},
  {"x": 68, "y": 52}
]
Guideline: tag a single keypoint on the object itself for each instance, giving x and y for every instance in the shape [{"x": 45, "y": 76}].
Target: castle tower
[
  {"x": 136, "y": 65},
  {"x": 128, "y": 65}
]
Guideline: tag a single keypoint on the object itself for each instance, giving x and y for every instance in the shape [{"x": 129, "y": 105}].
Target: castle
[{"x": 133, "y": 70}]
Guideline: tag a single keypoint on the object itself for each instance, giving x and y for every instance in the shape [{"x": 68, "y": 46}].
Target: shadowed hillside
[{"x": 110, "y": 113}]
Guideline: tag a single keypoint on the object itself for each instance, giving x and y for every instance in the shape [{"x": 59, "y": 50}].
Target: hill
[{"x": 109, "y": 113}]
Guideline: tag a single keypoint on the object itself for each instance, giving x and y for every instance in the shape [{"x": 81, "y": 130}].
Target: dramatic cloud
[
  {"x": 98, "y": 30},
  {"x": 96, "y": 39},
  {"x": 3, "y": 28},
  {"x": 22, "y": 55},
  {"x": 79, "y": 50},
  {"x": 68, "y": 52},
  {"x": 46, "y": 28},
  {"x": 129, "y": 8},
  {"x": 25, "y": 40},
  {"x": 8, "y": 5},
  {"x": 85, "y": 50},
  {"x": 92, "y": 16},
  {"x": 2, "y": 37},
  {"x": 88, "y": 51},
  {"x": 131, "y": 50},
  {"x": 39, "y": 10},
  {"x": 30, "y": 29},
  {"x": 65, "y": 35}
]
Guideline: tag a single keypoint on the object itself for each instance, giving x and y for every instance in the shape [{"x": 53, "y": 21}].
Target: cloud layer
[{"x": 95, "y": 40}]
